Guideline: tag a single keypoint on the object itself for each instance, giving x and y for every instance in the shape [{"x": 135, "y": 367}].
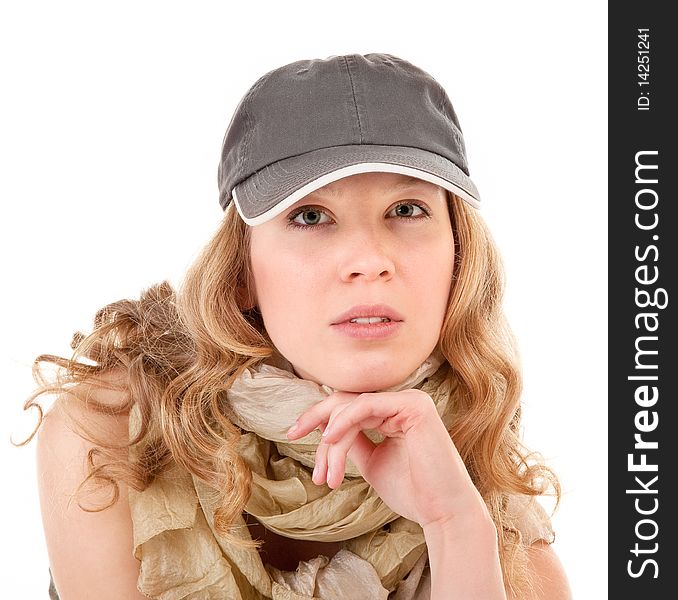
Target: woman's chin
[
  {"x": 375, "y": 375},
  {"x": 362, "y": 383}
]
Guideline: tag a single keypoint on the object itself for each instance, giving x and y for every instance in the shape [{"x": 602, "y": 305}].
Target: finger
[
  {"x": 320, "y": 468},
  {"x": 358, "y": 448},
  {"x": 318, "y": 413},
  {"x": 336, "y": 457},
  {"x": 374, "y": 409}
]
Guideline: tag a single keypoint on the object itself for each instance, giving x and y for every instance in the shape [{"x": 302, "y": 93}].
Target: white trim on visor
[{"x": 345, "y": 172}]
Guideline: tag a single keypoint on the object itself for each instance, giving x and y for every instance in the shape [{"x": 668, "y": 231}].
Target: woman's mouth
[{"x": 368, "y": 321}]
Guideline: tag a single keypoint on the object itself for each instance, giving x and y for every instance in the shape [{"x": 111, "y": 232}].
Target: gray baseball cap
[{"x": 306, "y": 124}]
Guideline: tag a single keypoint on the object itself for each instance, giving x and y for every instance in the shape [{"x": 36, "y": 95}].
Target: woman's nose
[{"x": 366, "y": 255}]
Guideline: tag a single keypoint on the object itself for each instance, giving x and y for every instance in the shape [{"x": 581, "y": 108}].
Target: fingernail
[
  {"x": 315, "y": 472},
  {"x": 292, "y": 429},
  {"x": 329, "y": 474},
  {"x": 327, "y": 430}
]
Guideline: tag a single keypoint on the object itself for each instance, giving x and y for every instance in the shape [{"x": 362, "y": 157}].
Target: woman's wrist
[
  {"x": 464, "y": 559},
  {"x": 463, "y": 525}
]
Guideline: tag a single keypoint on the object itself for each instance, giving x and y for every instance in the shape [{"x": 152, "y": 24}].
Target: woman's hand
[{"x": 416, "y": 470}]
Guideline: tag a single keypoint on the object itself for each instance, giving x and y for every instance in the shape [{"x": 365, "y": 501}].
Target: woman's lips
[
  {"x": 368, "y": 310},
  {"x": 368, "y": 330},
  {"x": 374, "y": 312}
]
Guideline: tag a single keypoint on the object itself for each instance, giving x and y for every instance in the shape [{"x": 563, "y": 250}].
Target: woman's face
[{"x": 380, "y": 241}]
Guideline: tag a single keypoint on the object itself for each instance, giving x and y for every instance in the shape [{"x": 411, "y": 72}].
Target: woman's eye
[
  {"x": 308, "y": 216},
  {"x": 409, "y": 209}
]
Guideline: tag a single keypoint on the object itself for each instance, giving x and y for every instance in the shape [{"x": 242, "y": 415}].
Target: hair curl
[{"x": 178, "y": 352}]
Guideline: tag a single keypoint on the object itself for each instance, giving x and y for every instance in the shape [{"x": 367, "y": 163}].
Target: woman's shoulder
[
  {"x": 81, "y": 564},
  {"x": 92, "y": 406}
]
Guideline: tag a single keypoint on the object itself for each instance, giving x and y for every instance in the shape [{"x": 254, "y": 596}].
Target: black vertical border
[{"x": 631, "y": 131}]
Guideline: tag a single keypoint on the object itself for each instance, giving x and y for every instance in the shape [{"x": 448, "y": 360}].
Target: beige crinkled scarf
[
  {"x": 266, "y": 401},
  {"x": 182, "y": 556}
]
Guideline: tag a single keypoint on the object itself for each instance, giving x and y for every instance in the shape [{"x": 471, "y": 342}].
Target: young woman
[{"x": 329, "y": 407}]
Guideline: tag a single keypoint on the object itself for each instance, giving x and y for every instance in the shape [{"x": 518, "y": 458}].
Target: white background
[{"x": 111, "y": 123}]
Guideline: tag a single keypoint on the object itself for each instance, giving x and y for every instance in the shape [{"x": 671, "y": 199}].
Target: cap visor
[{"x": 276, "y": 187}]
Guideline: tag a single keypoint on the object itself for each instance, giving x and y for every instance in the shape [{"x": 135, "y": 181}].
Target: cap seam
[
  {"x": 355, "y": 101},
  {"x": 248, "y": 119}
]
